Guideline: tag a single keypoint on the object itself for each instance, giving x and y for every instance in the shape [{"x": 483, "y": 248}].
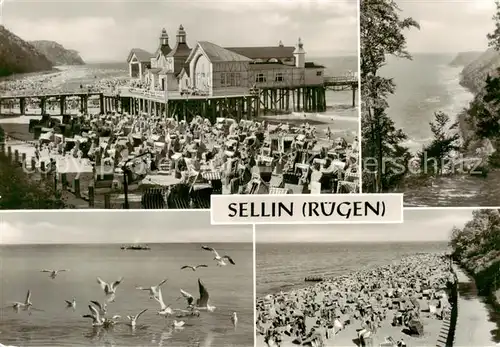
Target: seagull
[
  {"x": 27, "y": 305},
  {"x": 234, "y": 319},
  {"x": 54, "y": 273},
  {"x": 95, "y": 316},
  {"x": 109, "y": 289},
  {"x": 103, "y": 309},
  {"x": 193, "y": 267},
  {"x": 153, "y": 290},
  {"x": 110, "y": 322},
  {"x": 165, "y": 310},
  {"x": 71, "y": 304},
  {"x": 187, "y": 296},
  {"x": 178, "y": 324},
  {"x": 202, "y": 302},
  {"x": 218, "y": 258},
  {"x": 133, "y": 319}
]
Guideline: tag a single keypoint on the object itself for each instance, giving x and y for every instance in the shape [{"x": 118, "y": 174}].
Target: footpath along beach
[{"x": 405, "y": 303}]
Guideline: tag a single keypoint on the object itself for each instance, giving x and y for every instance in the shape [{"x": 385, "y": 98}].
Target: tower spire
[
  {"x": 181, "y": 35},
  {"x": 164, "y": 37}
]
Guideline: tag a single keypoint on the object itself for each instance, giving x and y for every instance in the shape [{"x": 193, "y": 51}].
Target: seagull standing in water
[
  {"x": 193, "y": 267},
  {"x": 71, "y": 304},
  {"x": 153, "y": 290},
  {"x": 109, "y": 289},
  {"x": 27, "y": 305},
  {"x": 133, "y": 319},
  {"x": 218, "y": 258},
  {"x": 54, "y": 273}
]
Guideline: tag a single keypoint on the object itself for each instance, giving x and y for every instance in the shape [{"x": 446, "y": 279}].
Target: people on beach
[{"x": 372, "y": 305}]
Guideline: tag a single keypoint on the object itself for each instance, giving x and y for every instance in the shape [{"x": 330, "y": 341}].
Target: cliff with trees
[
  {"x": 465, "y": 58},
  {"x": 18, "y": 56},
  {"x": 57, "y": 54},
  {"x": 476, "y": 247},
  {"x": 456, "y": 148}
]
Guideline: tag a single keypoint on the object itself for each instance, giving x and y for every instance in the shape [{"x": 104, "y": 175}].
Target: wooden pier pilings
[{"x": 273, "y": 99}]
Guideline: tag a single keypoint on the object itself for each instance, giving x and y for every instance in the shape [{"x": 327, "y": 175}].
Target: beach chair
[
  {"x": 349, "y": 187},
  {"x": 389, "y": 342}
]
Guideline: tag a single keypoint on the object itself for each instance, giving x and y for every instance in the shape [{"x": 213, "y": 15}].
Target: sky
[
  {"x": 116, "y": 227},
  {"x": 106, "y": 30},
  {"x": 419, "y": 225},
  {"x": 449, "y": 26}
]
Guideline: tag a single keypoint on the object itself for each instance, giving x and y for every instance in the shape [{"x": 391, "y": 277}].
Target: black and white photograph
[
  {"x": 430, "y": 119},
  {"x": 433, "y": 280},
  {"x": 160, "y": 104},
  {"x": 141, "y": 278}
]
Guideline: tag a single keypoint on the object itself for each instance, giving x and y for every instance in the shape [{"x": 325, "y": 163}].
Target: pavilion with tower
[{"x": 209, "y": 69}]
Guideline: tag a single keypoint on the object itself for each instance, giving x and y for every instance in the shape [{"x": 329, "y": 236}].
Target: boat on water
[{"x": 136, "y": 248}]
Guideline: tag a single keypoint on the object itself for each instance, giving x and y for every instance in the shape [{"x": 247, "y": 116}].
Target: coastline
[{"x": 17, "y": 76}]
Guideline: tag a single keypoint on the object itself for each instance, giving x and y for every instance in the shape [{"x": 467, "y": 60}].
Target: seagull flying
[
  {"x": 165, "y": 310},
  {"x": 109, "y": 289},
  {"x": 189, "y": 298},
  {"x": 193, "y": 267},
  {"x": 218, "y": 258},
  {"x": 103, "y": 308},
  {"x": 133, "y": 319},
  {"x": 54, "y": 273},
  {"x": 203, "y": 302},
  {"x": 71, "y": 304},
  {"x": 95, "y": 316},
  {"x": 153, "y": 290}
]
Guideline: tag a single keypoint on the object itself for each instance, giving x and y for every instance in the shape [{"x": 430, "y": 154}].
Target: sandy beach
[{"x": 402, "y": 303}]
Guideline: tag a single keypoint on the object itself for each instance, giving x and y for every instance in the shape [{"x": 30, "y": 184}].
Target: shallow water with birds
[{"x": 230, "y": 288}]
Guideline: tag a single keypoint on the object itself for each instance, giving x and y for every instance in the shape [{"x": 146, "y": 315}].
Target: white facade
[
  {"x": 201, "y": 70},
  {"x": 135, "y": 67}
]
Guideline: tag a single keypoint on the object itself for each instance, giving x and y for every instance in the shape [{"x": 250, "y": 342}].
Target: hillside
[
  {"x": 465, "y": 58},
  {"x": 18, "y": 56},
  {"x": 474, "y": 74},
  {"x": 57, "y": 54},
  {"x": 477, "y": 248}
]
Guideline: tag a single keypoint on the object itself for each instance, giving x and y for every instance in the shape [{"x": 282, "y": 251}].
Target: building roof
[
  {"x": 311, "y": 65},
  {"x": 259, "y": 66},
  {"x": 264, "y": 52},
  {"x": 217, "y": 53},
  {"x": 142, "y": 55},
  {"x": 180, "y": 50},
  {"x": 164, "y": 49}
]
